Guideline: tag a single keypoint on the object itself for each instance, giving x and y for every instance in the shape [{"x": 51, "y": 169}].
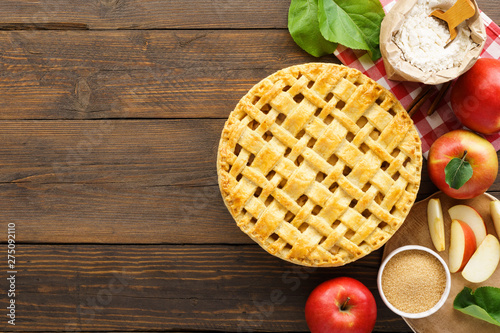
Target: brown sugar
[{"x": 413, "y": 281}]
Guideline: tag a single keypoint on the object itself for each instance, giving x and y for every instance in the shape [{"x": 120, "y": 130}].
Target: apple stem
[
  {"x": 343, "y": 307},
  {"x": 465, "y": 154}
]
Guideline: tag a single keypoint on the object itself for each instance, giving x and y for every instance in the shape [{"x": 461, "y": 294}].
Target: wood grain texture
[
  {"x": 490, "y": 8},
  {"x": 114, "y": 181},
  {"x": 136, "y": 74},
  {"x": 150, "y": 14},
  {"x": 99, "y": 146},
  {"x": 205, "y": 288},
  {"x": 157, "y": 14},
  {"x": 118, "y": 181}
]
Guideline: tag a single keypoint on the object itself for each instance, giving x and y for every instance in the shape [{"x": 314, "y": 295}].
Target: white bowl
[{"x": 441, "y": 301}]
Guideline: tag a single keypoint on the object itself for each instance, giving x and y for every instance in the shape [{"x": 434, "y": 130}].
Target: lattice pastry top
[{"x": 319, "y": 164}]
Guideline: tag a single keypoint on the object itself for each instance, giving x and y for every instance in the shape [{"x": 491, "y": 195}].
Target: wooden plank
[
  {"x": 491, "y": 9},
  {"x": 156, "y": 14},
  {"x": 114, "y": 181},
  {"x": 149, "y": 14},
  {"x": 118, "y": 181},
  {"x": 207, "y": 288},
  {"x": 136, "y": 74}
]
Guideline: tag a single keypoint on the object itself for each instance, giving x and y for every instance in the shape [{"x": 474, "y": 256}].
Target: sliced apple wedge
[
  {"x": 495, "y": 215},
  {"x": 462, "y": 245},
  {"x": 470, "y": 216},
  {"x": 484, "y": 261},
  {"x": 436, "y": 223}
]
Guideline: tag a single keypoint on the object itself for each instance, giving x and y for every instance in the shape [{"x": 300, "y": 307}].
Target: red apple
[
  {"x": 475, "y": 97},
  {"x": 341, "y": 305},
  {"x": 481, "y": 155},
  {"x": 470, "y": 216},
  {"x": 462, "y": 245}
]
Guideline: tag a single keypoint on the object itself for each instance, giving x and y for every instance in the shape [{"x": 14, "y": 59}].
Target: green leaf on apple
[
  {"x": 457, "y": 172},
  {"x": 484, "y": 303}
]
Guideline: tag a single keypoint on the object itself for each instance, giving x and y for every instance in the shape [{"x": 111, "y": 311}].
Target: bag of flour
[{"x": 414, "y": 47}]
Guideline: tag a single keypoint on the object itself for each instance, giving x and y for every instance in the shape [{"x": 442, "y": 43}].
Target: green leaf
[
  {"x": 483, "y": 304},
  {"x": 303, "y": 25},
  {"x": 354, "y": 24},
  {"x": 457, "y": 172}
]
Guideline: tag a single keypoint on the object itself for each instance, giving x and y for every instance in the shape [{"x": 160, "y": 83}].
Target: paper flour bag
[{"x": 409, "y": 38}]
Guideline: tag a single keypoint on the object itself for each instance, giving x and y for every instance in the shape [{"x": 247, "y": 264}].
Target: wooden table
[{"x": 111, "y": 112}]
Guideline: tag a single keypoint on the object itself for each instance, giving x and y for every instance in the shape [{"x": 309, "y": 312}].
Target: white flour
[{"x": 422, "y": 39}]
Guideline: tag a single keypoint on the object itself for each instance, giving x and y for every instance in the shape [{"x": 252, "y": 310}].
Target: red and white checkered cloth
[{"x": 443, "y": 120}]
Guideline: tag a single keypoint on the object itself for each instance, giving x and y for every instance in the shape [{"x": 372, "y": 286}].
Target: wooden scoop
[{"x": 459, "y": 12}]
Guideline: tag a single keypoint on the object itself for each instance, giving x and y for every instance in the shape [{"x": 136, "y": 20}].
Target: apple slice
[
  {"x": 462, "y": 245},
  {"x": 484, "y": 261},
  {"x": 495, "y": 215},
  {"x": 436, "y": 223},
  {"x": 470, "y": 216}
]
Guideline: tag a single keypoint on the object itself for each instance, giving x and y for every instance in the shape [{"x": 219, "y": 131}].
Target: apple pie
[{"x": 319, "y": 164}]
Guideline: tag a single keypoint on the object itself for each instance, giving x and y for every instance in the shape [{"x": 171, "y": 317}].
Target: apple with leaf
[{"x": 462, "y": 164}]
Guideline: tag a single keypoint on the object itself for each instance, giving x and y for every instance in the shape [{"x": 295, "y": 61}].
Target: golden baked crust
[{"x": 319, "y": 164}]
